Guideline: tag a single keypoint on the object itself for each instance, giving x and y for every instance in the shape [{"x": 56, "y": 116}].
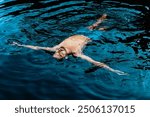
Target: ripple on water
[{"x": 29, "y": 74}]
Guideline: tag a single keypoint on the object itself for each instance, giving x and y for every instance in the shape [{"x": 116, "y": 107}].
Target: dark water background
[{"x": 29, "y": 74}]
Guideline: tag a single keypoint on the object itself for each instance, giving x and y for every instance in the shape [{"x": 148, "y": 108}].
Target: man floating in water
[{"x": 75, "y": 44}]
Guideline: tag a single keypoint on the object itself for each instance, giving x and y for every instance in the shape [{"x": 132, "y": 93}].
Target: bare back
[{"x": 75, "y": 43}]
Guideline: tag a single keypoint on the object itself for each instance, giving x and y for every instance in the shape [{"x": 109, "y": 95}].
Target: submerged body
[{"x": 74, "y": 45}]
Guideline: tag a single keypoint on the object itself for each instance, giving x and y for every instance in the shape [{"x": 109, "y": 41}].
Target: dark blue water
[{"x": 29, "y": 74}]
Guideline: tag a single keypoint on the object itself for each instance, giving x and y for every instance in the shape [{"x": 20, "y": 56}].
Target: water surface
[{"x": 29, "y": 74}]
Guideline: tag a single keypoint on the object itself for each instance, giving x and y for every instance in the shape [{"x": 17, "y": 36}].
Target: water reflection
[{"x": 28, "y": 74}]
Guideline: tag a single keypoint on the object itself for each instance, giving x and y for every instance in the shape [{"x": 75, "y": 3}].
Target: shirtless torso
[{"x": 73, "y": 45}]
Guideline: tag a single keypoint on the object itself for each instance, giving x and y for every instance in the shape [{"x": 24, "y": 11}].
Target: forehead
[{"x": 61, "y": 52}]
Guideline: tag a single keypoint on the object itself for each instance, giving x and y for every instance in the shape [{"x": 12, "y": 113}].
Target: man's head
[{"x": 60, "y": 53}]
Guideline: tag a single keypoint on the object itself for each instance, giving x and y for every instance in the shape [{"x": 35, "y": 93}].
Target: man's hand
[
  {"x": 15, "y": 43},
  {"x": 120, "y": 72}
]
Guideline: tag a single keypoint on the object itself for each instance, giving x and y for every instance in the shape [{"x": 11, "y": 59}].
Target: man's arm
[
  {"x": 53, "y": 49},
  {"x": 99, "y": 64}
]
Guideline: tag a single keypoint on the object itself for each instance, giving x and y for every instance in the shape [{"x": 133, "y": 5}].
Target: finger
[
  {"x": 121, "y": 73},
  {"x": 13, "y": 43}
]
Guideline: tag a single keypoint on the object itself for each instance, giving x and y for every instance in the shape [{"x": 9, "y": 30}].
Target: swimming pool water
[{"x": 29, "y": 74}]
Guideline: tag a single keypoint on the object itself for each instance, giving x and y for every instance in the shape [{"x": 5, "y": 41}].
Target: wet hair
[{"x": 62, "y": 52}]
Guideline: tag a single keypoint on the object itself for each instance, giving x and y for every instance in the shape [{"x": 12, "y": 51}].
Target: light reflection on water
[{"x": 28, "y": 74}]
